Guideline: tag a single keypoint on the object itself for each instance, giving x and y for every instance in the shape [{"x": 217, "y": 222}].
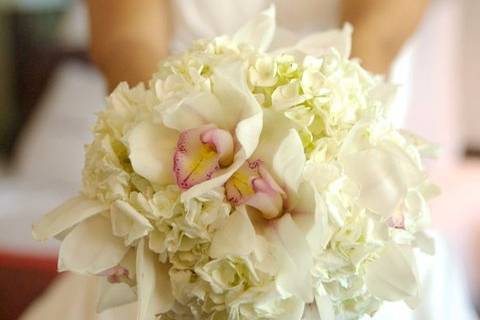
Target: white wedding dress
[{"x": 73, "y": 297}]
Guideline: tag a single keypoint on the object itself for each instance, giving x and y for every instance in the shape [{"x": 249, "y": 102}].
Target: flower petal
[
  {"x": 393, "y": 276},
  {"x": 66, "y": 216},
  {"x": 112, "y": 295},
  {"x": 281, "y": 149},
  {"x": 198, "y": 110},
  {"x": 231, "y": 89},
  {"x": 296, "y": 261},
  {"x": 199, "y": 154},
  {"x": 259, "y": 31},
  {"x": 153, "y": 284},
  {"x": 253, "y": 185},
  {"x": 128, "y": 222},
  {"x": 286, "y": 96},
  {"x": 311, "y": 216},
  {"x": 91, "y": 248},
  {"x": 151, "y": 151},
  {"x": 236, "y": 237},
  {"x": 383, "y": 176}
]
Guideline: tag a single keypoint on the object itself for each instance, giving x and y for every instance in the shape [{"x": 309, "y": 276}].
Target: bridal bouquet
[{"x": 250, "y": 184}]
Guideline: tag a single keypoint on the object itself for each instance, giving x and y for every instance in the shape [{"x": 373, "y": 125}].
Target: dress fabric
[{"x": 73, "y": 297}]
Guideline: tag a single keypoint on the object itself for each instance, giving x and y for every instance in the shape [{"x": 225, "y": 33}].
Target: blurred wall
[{"x": 470, "y": 67}]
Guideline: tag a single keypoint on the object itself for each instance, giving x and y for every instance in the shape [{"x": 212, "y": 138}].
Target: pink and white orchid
[
  {"x": 203, "y": 138},
  {"x": 252, "y": 185}
]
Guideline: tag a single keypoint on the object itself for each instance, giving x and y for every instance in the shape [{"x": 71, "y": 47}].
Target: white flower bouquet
[{"x": 243, "y": 184}]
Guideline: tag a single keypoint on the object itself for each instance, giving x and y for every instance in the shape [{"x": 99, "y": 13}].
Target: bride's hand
[
  {"x": 381, "y": 27},
  {"x": 128, "y": 38}
]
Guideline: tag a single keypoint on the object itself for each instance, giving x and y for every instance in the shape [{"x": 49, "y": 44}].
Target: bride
[{"x": 128, "y": 38}]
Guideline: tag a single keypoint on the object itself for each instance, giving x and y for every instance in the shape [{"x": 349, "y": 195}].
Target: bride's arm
[
  {"x": 128, "y": 38},
  {"x": 381, "y": 27}
]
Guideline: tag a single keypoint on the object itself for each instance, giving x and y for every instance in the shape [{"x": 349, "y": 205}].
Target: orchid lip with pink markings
[
  {"x": 252, "y": 185},
  {"x": 201, "y": 152}
]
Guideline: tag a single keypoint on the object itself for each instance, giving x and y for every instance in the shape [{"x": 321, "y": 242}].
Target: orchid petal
[
  {"x": 236, "y": 237},
  {"x": 267, "y": 198},
  {"x": 382, "y": 176},
  {"x": 311, "y": 216},
  {"x": 296, "y": 263},
  {"x": 223, "y": 142},
  {"x": 153, "y": 284},
  {"x": 324, "y": 305},
  {"x": 66, "y": 216},
  {"x": 393, "y": 276},
  {"x": 282, "y": 151},
  {"x": 128, "y": 222},
  {"x": 113, "y": 295},
  {"x": 91, "y": 248},
  {"x": 151, "y": 151},
  {"x": 199, "y": 110},
  {"x": 252, "y": 185},
  {"x": 259, "y": 31},
  {"x": 199, "y": 154},
  {"x": 231, "y": 89}
]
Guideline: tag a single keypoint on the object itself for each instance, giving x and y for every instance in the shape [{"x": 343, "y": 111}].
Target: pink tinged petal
[
  {"x": 253, "y": 185},
  {"x": 116, "y": 274},
  {"x": 91, "y": 248},
  {"x": 200, "y": 153},
  {"x": 66, "y": 216},
  {"x": 266, "y": 199},
  {"x": 397, "y": 221},
  {"x": 222, "y": 141}
]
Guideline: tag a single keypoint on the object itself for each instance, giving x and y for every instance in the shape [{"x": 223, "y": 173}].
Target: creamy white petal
[
  {"x": 324, "y": 305},
  {"x": 91, "y": 248},
  {"x": 66, "y": 216},
  {"x": 153, "y": 284},
  {"x": 382, "y": 176},
  {"x": 281, "y": 149},
  {"x": 128, "y": 222},
  {"x": 295, "y": 258},
  {"x": 259, "y": 31},
  {"x": 236, "y": 237},
  {"x": 311, "y": 216},
  {"x": 112, "y": 295},
  {"x": 197, "y": 110},
  {"x": 394, "y": 275},
  {"x": 231, "y": 89},
  {"x": 151, "y": 148}
]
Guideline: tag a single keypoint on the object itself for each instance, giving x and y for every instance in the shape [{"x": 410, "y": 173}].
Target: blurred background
[{"x": 49, "y": 92}]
